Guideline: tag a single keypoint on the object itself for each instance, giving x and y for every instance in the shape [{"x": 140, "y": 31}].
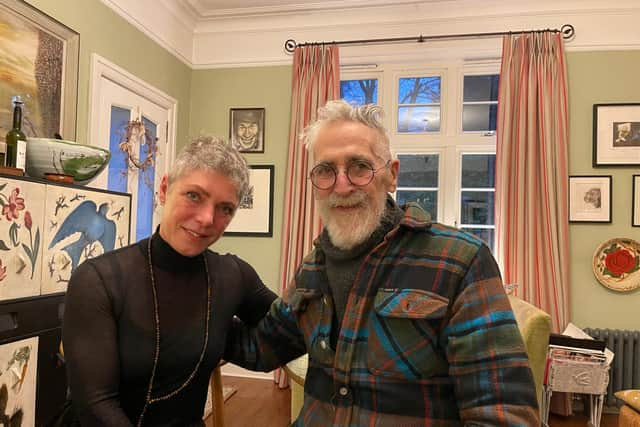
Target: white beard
[{"x": 347, "y": 230}]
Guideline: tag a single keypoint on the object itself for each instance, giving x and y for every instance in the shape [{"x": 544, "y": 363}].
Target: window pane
[
  {"x": 418, "y": 119},
  {"x": 479, "y": 117},
  {"x": 477, "y": 207},
  {"x": 418, "y": 171},
  {"x": 478, "y": 170},
  {"x": 118, "y": 165},
  {"x": 146, "y": 178},
  {"x": 419, "y": 90},
  {"x": 419, "y": 104},
  {"x": 359, "y": 92},
  {"x": 486, "y": 234},
  {"x": 481, "y": 88},
  {"x": 428, "y": 200}
]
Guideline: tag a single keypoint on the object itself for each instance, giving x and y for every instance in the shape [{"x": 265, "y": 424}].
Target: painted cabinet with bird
[
  {"x": 47, "y": 230},
  {"x": 18, "y": 368},
  {"x": 82, "y": 224}
]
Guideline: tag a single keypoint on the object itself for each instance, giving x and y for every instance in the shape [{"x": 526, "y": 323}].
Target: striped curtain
[
  {"x": 532, "y": 172},
  {"x": 316, "y": 80}
]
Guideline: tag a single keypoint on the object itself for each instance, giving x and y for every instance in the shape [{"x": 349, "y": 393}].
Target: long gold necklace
[{"x": 156, "y": 354}]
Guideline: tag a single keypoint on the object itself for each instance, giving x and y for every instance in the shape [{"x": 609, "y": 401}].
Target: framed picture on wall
[
  {"x": 590, "y": 198},
  {"x": 39, "y": 62},
  {"x": 246, "y": 129},
  {"x": 635, "y": 206},
  {"x": 616, "y": 134},
  {"x": 254, "y": 216}
]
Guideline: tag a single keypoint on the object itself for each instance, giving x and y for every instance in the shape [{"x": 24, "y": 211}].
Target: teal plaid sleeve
[
  {"x": 275, "y": 341},
  {"x": 487, "y": 361}
]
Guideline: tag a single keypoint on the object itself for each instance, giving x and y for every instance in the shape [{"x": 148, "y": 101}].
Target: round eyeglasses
[{"x": 359, "y": 173}]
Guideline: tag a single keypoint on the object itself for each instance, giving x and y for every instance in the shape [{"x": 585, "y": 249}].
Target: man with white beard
[{"x": 406, "y": 321}]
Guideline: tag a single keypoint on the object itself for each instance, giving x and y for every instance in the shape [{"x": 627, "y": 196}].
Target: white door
[{"x": 120, "y": 110}]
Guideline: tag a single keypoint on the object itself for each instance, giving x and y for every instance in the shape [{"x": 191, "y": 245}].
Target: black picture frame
[
  {"x": 246, "y": 129},
  {"x": 616, "y": 134},
  {"x": 590, "y": 198},
  {"x": 254, "y": 216},
  {"x": 635, "y": 203}
]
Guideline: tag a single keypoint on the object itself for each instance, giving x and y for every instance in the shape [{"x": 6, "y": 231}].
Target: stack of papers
[{"x": 573, "y": 331}]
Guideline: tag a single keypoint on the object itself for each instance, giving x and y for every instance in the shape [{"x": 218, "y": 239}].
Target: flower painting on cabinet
[{"x": 21, "y": 207}]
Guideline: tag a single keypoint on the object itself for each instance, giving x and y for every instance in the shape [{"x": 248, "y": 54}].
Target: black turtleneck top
[{"x": 109, "y": 338}]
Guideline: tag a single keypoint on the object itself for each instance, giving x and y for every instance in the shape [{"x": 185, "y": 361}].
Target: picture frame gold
[{"x": 39, "y": 62}]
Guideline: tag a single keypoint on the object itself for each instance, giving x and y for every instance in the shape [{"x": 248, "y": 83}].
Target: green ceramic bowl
[{"x": 57, "y": 156}]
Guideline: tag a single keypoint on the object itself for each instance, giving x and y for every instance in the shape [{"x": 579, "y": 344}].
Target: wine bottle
[{"x": 16, "y": 139}]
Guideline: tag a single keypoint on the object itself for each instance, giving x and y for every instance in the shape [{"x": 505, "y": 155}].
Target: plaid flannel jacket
[{"x": 428, "y": 337}]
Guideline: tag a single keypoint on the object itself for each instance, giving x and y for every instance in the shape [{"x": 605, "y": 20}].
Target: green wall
[
  {"x": 597, "y": 78},
  {"x": 104, "y": 32},
  {"x": 213, "y": 92},
  {"x": 205, "y": 96}
]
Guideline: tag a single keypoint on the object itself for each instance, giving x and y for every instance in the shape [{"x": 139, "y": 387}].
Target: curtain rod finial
[
  {"x": 567, "y": 31},
  {"x": 290, "y": 46}
]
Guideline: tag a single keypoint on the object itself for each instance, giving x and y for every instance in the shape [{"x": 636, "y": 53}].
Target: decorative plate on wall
[{"x": 616, "y": 264}]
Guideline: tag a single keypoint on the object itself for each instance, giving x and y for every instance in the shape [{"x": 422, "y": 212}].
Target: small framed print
[
  {"x": 635, "y": 207},
  {"x": 246, "y": 129},
  {"x": 590, "y": 198},
  {"x": 616, "y": 134},
  {"x": 254, "y": 216}
]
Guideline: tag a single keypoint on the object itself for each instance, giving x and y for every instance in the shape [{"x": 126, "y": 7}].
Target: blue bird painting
[{"x": 92, "y": 224}]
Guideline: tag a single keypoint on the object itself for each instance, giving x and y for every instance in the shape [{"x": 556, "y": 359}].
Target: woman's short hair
[
  {"x": 214, "y": 154},
  {"x": 369, "y": 115}
]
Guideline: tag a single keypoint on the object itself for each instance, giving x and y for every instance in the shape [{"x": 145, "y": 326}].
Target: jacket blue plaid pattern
[{"x": 428, "y": 337}]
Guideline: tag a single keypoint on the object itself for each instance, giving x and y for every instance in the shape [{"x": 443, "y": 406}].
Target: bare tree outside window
[
  {"x": 419, "y": 104},
  {"x": 359, "y": 92}
]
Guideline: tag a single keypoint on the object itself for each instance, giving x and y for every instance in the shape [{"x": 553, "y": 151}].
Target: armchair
[
  {"x": 535, "y": 328},
  {"x": 629, "y": 412}
]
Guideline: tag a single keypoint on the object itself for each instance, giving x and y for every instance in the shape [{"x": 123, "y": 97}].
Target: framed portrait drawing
[
  {"x": 635, "y": 206},
  {"x": 254, "y": 216},
  {"x": 590, "y": 198},
  {"x": 246, "y": 129},
  {"x": 616, "y": 134},
  {"x": 39, "y": 62}
]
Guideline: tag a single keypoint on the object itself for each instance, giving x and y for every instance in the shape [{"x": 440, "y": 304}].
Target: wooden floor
[
  {"x": 257, "y": 403},
  {"x": 260, "y": 403}
]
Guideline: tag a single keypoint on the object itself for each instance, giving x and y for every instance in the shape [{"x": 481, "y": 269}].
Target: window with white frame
[{"x": 442, "y": 123}]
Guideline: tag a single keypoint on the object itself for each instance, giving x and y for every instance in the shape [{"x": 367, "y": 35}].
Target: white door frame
[{"x": 103, "y": 68}]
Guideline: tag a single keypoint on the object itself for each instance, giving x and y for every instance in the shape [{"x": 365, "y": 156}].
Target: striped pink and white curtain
[
  {"x": 532, "y": 171},
  {"x": 316, "y": 80}
]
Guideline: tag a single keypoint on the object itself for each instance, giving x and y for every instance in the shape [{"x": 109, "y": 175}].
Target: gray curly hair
[
  {"x": 210, "y": 153},
  {"x": 369, "y": 115}
]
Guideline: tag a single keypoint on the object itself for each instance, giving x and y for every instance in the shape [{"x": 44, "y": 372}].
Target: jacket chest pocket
[{"x": 403, "y": 334}]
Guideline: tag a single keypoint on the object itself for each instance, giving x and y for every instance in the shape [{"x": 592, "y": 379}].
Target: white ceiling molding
[
  {"x": 164, "y": 21},
  {"x": 209, "y": 9},
  {"x": 255, "y": 36}
]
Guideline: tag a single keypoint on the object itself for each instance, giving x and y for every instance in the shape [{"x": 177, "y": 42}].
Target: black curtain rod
[{"x": 290, "y": 45}]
